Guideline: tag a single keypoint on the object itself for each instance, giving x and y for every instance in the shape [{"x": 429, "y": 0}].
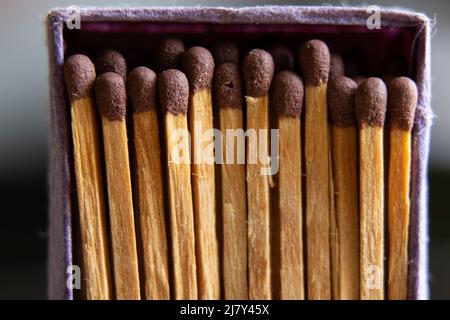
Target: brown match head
[
  {"x": 258, "y": 68},
  {"x": 79, "y": 74},
  {"x": 198, "y": 64},
  {"x": 111, "y": 61},
  {"x": 371, "y": 100},
  {"x": 287, "y": 97},
  {"x": 224, "y": 52},
  {"x": 111, "y": 96},
  {"x": 141, "y": 86},
  {"x": 341, "y": 101},
  {"x": 228, "y": 86},
  {"x": 282, "y": 58},
  {"x": 173, "y": 92},
  {"x": 337, "y": 68},
  {"x": 402, "y": 101},
  {"x": 168, "y": 54},
  {"x": 315, "y": 62}
]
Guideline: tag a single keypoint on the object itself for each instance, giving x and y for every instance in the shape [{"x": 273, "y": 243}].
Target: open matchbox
[{"x": 400, "y": 47}]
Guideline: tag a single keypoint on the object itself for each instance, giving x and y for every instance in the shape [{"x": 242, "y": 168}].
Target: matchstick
[
  {"x": 334, "y": 233},
  {"x": 402, "y": 101},
  {"x": 370, "y": 102},
  {"x": 174, "y": 97},
  {"x": 228, "y": 93},
  {"x": 111, "y": 99},
  {"x": 282, "y": 57},
  {"x": 258, "y": 72},
  {"x": 141, "y": 84},
  {"x": 225, "y": 51},
  {"x": 79, "y": 74},
  {"x": 168, "y": 54},
  {"x": 198, "y": 65},
  {"x": 336, "y": 70},
  {"x": 110, "y": 61},
  {"x": 341, "y": 94},
  {"x": 315, "y": 63},
  {"x": 287, "y": 99}
]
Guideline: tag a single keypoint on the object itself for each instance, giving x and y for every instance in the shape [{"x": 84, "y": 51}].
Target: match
[
  {"x": 142, "y": 90},
  {"x": 370, "y": 100},
  {"x": 402, "y": 102},
  {"x": 79, "y": 72},
  {"x": 229, "y": 99},
  {"x": 110, "y": 61},
  {"x": 315, "y": 63},
  {"x": 111, "y": 99},
  {"x": 287, "y": 99},
  {"x": 341, "y": 97},
  {"x": 258, "y": 72},
  {"x": 168, "y": 54},
  {"x": 174, "y": 98},
  {"x": 224, "y": 52},
  {"x": 337, "y": 68},
  {"x": 198, "y": 65},
  {"x": 282, "y": 57}
]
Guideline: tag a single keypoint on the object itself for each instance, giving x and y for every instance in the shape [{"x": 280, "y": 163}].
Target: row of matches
[{"x": 196, "y": 230}]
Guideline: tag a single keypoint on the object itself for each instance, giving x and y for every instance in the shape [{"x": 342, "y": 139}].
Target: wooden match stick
[
  {"x": 258, "y": 72},
  {"x": 110, "y": 94},
  {"x": 282, "y": 57},
  {"x": 174, "y": 97},
  {"x": 141, "y": 84},
  {"x": 168, "y": 54},
  {"x": 228, "y": 93},
  {"x": 287, "y": 99},
  {"x": 110, "y": 61},
  {"x": 402, "y": 102},
  {"x": 225, "y": 51},
  {"x": 334, "y": 233},
  {"x": 198, "y": 65},
  {"x": 341, "y": 94},
  {"x": 79, "y": 74},
  {"x": 336, "y": 70},
  {"x": 315, "y": 63},
  {"x": 370, "y": 102}
]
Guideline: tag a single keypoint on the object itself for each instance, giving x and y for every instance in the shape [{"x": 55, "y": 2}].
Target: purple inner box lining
[{"x": 400, "y": 47}]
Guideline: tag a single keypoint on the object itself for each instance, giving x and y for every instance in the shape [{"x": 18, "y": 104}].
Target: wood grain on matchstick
[
  {"x": 228, "y": 92},
  {"x": 345, "y": 170},
  {"x": 141, "y": 83},
  {"x": 111, "y": 99},
  {"x": 198, "y": 64},
  {"x": 402, "y": 102},
  {"x": 287, "y": 99},
  {"x": 315, "y": 63},
  {"x": 370, "y": 102},
  {"x": 174, "y": 96},
  {"x": 80, "y": 77},
  {"x": 258, "y": 72}
]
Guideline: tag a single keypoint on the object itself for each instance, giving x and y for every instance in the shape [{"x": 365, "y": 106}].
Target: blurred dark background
[{"x": 24, "y": 119}]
